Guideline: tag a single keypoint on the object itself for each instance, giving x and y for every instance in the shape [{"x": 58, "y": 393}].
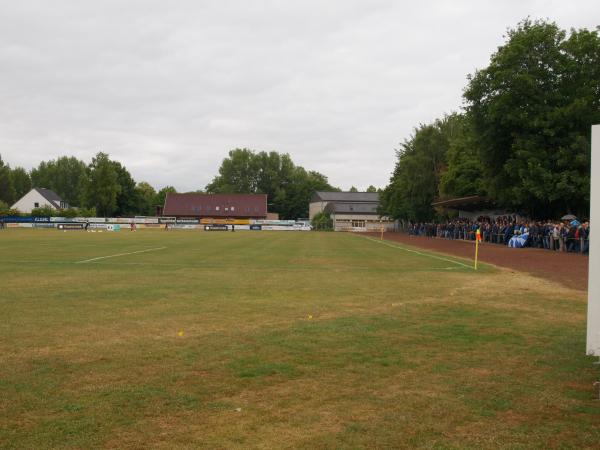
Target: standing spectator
[{"x": 585, "y": 237}]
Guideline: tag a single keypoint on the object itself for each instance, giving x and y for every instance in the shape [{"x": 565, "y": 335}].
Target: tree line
[
  {"x": 523, "y": 137},
  {"x": 105, "y": 187}
]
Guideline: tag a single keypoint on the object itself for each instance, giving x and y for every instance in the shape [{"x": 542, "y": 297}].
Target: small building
[
  {"x": 216, "y": 206},
  {"x": 38, "y": 198},
  {"x": 350, "y": 211}
]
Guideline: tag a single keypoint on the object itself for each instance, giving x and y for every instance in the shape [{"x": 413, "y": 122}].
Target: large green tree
[
  {"x": 532, "y": 109},
  {"x": 146, "y": 196},
  {"x": 7, "y": 189},
  {"x": 463, "y": 175},
  {"x": 21, "y": 181},
  {"x": 288, "y": 187},
  {"x": 102, "y": 185},
  {"x": 127, "y": 201},
  {"x": 414, "y": 184},
  {"x": 66, "y": 176}
]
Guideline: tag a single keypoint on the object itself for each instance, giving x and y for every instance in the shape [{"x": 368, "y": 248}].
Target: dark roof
[
  {"x": 216, "y": 205},
  {"x": 352, "y": 208},
  {"x": 51, "y": 196},
  {"x": 471, "y": 203},
  {"x": 321, "y": 196}
]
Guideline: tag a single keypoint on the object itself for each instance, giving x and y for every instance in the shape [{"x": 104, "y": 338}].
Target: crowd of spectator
[{"x": 558, "y": 235}]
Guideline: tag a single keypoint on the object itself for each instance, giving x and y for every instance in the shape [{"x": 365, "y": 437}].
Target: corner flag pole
[{"x": 477, "y": 240}]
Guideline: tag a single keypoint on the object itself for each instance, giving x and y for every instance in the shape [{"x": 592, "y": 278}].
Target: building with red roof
[{"x": 216, "y": 206}]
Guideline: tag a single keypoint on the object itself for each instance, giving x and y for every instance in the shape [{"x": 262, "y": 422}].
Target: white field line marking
[
  {"x": 418, "y": 253},
  {"x": 120, "y": 254}
]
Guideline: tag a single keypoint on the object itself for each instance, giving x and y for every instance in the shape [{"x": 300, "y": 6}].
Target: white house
[{"x": 38, "y": 198}]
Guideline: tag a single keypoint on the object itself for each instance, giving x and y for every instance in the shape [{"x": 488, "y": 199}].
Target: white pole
[{"x": 593, "y": 325}]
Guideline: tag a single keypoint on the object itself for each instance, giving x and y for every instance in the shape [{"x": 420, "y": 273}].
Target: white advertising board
[{"x": 593, "y": 324}]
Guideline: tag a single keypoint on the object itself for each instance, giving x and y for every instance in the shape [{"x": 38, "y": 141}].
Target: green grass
[{"x": 276, "y": 340}]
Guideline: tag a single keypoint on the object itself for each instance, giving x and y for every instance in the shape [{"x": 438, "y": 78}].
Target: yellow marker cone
[{"x": 180, "y": 333}]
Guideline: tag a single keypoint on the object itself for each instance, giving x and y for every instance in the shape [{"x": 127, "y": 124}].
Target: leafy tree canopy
[
  {"x": 289, "y": 187},
  {"x": 21, "y": 182},
  {"x": 7, "y": 189},
  {"x": 531, "y": 112},
  {"x": 102, "y": 185},
  {"x": 421, "y": 162},
  {"x": 66, "y": 176}
]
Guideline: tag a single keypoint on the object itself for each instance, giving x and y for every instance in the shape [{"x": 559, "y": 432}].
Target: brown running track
[{"x": 569, "y": 269}]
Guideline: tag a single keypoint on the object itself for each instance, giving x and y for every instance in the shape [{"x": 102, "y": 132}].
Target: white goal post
[{"x": 593, "y": 323}]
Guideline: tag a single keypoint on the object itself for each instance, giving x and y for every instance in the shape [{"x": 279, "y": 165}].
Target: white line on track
[
  {"x": 119, "y": 254},
  {"x": 417, "y": 252}
]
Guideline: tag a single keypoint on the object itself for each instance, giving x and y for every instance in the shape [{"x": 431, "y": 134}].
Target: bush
[
  {"x": 86, "y": 212},
  {"x": 69, "y": 212},
  {"x": 44, "y": 211},
  {"x": 322, "y": 222}
]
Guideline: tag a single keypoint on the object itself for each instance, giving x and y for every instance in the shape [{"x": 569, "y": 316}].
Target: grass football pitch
[{"x": 188, "y": 339}]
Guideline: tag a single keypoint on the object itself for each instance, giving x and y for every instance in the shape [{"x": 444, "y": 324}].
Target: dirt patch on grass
[{"x": 568, "y": 269}]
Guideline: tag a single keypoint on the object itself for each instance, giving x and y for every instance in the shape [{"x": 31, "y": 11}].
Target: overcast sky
[{"x": 168, "y": 88}]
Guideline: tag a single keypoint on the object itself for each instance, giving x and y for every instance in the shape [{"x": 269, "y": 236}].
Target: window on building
[
  {"x": 358, "y": 223},
  {"x": 36, "y": 205},
  {"x": 233, "y": 208},
  {"x": 217, "y": 208}
]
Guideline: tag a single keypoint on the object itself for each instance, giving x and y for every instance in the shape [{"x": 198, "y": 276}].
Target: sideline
[
  {"x": 417, "y": 252},
  {"x": 119, "y": 254}
]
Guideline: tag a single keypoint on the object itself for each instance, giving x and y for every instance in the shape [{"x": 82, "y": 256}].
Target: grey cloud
[{"x": 169, "y": 87}]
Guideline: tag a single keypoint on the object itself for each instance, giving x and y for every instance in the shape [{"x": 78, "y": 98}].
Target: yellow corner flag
[{"x": 477, "y": 241}]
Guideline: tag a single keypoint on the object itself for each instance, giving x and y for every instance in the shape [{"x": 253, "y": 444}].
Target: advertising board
[
  {"x": 215, "y": 227},
  {"x": 209, "y": 221},
  {"x": 185, "y": 226},
  {"x": 43, "y": 225},
  {"x": 70, "y": 226}
]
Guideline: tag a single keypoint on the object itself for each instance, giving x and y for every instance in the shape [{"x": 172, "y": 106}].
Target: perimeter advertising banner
[
  {"x": 25, "y": 219},
  {"x": 70, "y": 226},
  {"x": 593, "y": 325},
  {"x": 44, "y": 225},
  {"x": 215, "y": 227},
  {"x": 224, "y": 221}
]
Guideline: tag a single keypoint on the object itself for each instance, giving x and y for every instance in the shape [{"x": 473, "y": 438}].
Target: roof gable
[{"x": 51, "y": 196}]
